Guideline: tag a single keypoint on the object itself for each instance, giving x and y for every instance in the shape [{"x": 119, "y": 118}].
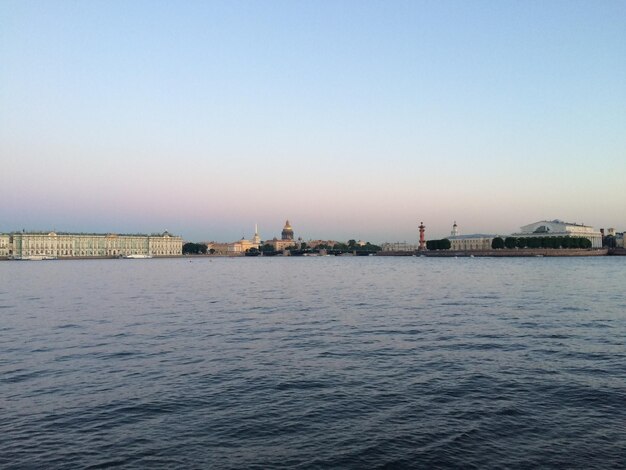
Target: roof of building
[
  {"x": 558, "y": 221},
  {"x": 53, "y": 234},
  {"x": 473, "y": 235}
]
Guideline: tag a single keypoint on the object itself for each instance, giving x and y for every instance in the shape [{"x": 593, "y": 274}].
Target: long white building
[{"x": 21, "y": 245}]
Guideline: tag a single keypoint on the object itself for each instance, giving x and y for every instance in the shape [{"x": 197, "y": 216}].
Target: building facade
[
  {"x": 476, "y": 241},
  {"x": 558, "y": 228},
  {"x": 4, "y": 245},
  {"x": 398, "y": 246},
  {"x": 243, "y": 245},
  {"x": 23, "y": 245}
]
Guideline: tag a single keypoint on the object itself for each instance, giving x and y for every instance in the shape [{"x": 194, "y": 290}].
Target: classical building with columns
[
  {"x": 35, "y": 245},
  {"x": 475, "y": 241},
  {"x": 558, "y": 228}
]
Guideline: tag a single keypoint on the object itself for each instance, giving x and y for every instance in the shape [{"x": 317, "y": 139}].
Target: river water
[{"x": 313, "y": 363}]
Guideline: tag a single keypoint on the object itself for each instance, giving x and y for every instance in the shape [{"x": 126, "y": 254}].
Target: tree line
[
  {"x": 303, "y": 248},
  {"x": 443, "y": 244},
  {"x": 194, "y": 249},
  {"x": 522, "y": 242},
  {"x": 540, "y": 242}
]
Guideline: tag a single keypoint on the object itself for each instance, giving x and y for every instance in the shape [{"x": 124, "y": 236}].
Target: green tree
[
  {"x": 510, "y": 242},
  {"x": 267, "y": 248},
  {"x": 533, "y": 242},
  {"x": 497, "y": 243},
  {"x": 370, "y": 247},
  {"x": 520, "y": 242},
  {"x": 438, "y": 244},
  {"x": 194, "y": 248}
]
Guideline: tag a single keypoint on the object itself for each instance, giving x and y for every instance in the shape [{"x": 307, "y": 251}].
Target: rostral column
[{"x": 422, "y": 246}]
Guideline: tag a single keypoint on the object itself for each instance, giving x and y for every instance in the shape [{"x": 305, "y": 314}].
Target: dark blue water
[{"x": 313, "y": 363}]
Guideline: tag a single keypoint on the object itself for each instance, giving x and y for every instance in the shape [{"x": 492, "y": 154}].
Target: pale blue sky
[{"x": 352, "y": 119}]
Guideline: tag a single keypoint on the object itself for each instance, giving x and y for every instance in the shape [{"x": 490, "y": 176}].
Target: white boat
[
  {"x": 35, "y": 258},
  {"x": 137, "y": 256}
]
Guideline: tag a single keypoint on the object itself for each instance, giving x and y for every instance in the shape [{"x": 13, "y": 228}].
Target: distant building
[
  {"x": 287, "y": 233},
  {"x": 31, "y": 245},
  {"x": 476, "y": 241},
  {"x": 4, "y": 245},
  {"x": 316, "y": 243},
  {"x": 398, "y": 246},
  {"x": 286, "y": 241},
  {"x": 558, "y": 228},
  {"x": 244, "y": 245},
  {"x": 612, "y": 239},
  {"x": 217, "y": 247}
]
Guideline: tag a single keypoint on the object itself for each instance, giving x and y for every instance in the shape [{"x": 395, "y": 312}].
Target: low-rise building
[
  {"x": 243, "y": 245},
  {"x": 475, "y": 241},
  {"x": 398, "y": 246},
  {"x": 315, "y": 243},
  {"x": 217, "y": 247}
]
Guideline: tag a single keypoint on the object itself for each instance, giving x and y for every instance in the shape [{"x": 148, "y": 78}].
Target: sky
[{"x": 352, "y": 119}]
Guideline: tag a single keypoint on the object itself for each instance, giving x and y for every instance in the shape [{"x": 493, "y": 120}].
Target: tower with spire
[
  {"x": 455, "y": 230},
  {"x": 256, "y": 239}
]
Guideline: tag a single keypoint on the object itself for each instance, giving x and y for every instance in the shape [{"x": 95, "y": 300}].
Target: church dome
[{"x": 287, "y": 233}]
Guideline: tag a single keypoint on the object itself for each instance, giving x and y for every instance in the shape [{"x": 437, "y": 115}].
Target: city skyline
[
  {"x": 453, "y": 230},
  {"x": 349, "y": 119}
]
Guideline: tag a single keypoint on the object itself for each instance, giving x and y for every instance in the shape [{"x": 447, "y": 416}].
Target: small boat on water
[
  {"x": 35, "y": 258},
  {"x": 137, "y": 256}
]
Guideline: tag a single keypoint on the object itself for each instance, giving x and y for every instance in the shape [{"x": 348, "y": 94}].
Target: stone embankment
[{"x": 504, "y": 253}]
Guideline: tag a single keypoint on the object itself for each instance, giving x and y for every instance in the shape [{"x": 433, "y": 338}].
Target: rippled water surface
[{"x": 313, "y": 363}]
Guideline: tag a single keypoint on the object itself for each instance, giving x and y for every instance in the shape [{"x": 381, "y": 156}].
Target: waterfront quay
[{"x": 542, "y": 252}]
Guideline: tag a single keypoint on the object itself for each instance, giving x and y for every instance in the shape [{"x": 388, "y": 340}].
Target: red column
[{"x": 422, "y": 240}]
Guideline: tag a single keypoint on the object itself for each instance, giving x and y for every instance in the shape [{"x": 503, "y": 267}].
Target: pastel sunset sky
[{"x": 352, "y": 119}]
